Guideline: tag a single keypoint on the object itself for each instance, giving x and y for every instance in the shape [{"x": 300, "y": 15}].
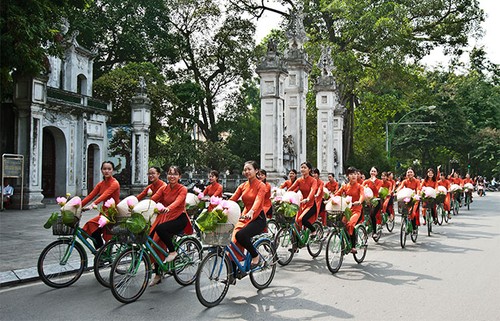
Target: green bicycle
[
  {"x": 406, "y": 224},
  {"x": 339, "y": 242},
  {"x": 289, "y": 239},
  {"x": 63, "y": 261},
  {"x": 132, "y": 269}
]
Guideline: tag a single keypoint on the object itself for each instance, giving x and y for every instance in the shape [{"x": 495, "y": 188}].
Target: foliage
[{"x": 31, "y": 30}]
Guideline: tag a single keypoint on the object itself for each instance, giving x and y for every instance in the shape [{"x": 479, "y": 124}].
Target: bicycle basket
[
  {"x": 281, "y": 218},
  {"x": 59, "y": 228},
  {"x": 334, "y": 218},
  {"x": 221, "y": 236},
  {"x": 428, "y": 202}
]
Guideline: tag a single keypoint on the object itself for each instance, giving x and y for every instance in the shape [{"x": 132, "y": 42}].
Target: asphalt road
[{"x": 452, "y": 275}]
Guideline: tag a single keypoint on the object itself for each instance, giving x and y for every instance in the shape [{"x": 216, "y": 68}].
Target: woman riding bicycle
[
  {"x": 412, "y": 183},
  {"x": 292, "y": 177},
  {"x": 356, "y": 192},
  {"x": 446, "y": 184},
  {"x": 374, "y": 184},
  {"x": 173, "y": 219},
  {"x": 155, "y": 183},
  {"x": 214, "y": 188},
  {"x": 104, "y": 190},
  {"x": 388, "y": 203},
  {"x": 308, "y": 186},
  {"x": 267, "y": 206},
  {"x": 252, "y": 220},
  {"x": 430, "y": 181},
  {"x": 318, "y": 197}
]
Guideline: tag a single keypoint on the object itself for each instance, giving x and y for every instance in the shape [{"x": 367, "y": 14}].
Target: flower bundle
[
  {"x": 338, "y": 204},
  {"x": 407, "y": 196},
  {"x": 383, "y": 192},
  {"x": 225, "y": 211},
  {"x": 326, "y": 194},
  {"x": 71, "y": 211},
  {"x": 288, "y": 204},
  {"x": 108, "y": 216},
  {"x": 195, "y": 203},
  {"x": 428, "y": 194},
  {"x": 441, "y": 194},
  {"x": 468, "y": 187},
  {"x": 124, "y": 208},
  {"x": 369, "y": 197},
  {"x": 455, "y": 189}
]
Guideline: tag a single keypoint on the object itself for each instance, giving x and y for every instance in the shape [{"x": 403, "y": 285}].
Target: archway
[
  {"x": 53, "y": 162},
  {"x": 93, "y": 168}
]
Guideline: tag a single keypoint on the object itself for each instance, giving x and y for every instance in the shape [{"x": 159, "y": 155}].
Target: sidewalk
[{"x": 22, "y": 239}]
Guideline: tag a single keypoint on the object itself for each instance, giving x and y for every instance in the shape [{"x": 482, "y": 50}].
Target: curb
[{"x": 15, "y": 277}]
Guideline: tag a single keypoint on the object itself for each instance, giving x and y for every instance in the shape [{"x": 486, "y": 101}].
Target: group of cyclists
[{"x": 256, "y": 196}]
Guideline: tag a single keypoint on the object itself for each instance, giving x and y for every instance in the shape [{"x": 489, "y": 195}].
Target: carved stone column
[
  {"x": 330, "y": 120},
  {"x": 296, "y": 88},
  {"x": 272, "y": 77},
  {"x": 141, "y": 121}
]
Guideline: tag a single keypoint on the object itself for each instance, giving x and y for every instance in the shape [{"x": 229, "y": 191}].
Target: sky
[{"x": 490, "y": 40}]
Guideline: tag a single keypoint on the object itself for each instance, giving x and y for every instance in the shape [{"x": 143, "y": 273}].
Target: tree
[
  {"x": 370, "y": 38},
  {"x": 216, "y": 49},
  {"x": 31, "y": 30},
  {"x": 125, "y": 31}
]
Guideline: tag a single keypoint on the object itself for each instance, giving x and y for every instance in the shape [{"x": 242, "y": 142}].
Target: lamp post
[{"x": 388, "y": 138}]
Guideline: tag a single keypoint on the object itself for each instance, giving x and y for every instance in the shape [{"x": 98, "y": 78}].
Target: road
[{"x": 452, "y": 275}]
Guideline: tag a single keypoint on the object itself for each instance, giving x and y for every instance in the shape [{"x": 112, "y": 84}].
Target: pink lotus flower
[
  {"x": 201, "y": 195},
  {"x": 416, "y": 197},
  {"x": 214, "y": 200},
  {"x": 109, "y": 203},
  {"x": 160, "y": 207},
  {"x": 293, "y": 201},
  {"x": 103, "y": 220},
  {"x": 61, "y": 200},
  {"x": 75, "y": 202},
  {"x": 196, "y": 190},
  {"x": 150, "y": 192},
  {"x": 130, "y": 203},
  {"x": 348, "y": 199},
  {"x": 278, "y": 199},
  {"x": 407, "y": 199},
  {"x": 336, "y": 200}
]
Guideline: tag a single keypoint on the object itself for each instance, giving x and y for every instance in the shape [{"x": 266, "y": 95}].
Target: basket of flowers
[
  {"x": 336, "y": 208},
  {"x": 428, "y": 196},
  {"x": 456, "y": 189},
  {"x": 217, "y": 225},
  {"x": 65, "y": 221},
  {"x": 286, "y": 207},
  {"x": 441, "y": 194}
]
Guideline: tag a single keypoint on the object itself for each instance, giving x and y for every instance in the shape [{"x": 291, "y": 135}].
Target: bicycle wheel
[
  {"x": 285, "y": 246},
  {"x": 440, "y": 214},
  {"x": 390, "y": 224},
  {"x": 334, "y": 253},
  {"x": 414, "y": 235},
  {"x": 378, "y": 233},
  {"x": 130, "y": 274},
  {"x": 103, "y": 261},
  {"x": 272, "y": 227},
  {"x": 467, "y": 201},
  {"x": 402, "y": 235},
  {"x": 62, "y": 263},
  {"x": 455, "y": 207},
  {"x": 212, "y": 278},
  {"x": 187, "y": 261},
  {"x": 361, "y": 244},
  {"x": 262, "y": 276},
  {"x": 428, "y": 218},
  {"x": 314, "y": 246}
]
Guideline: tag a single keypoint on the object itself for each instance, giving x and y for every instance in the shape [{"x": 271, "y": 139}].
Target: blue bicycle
[{"x": 215, "y": 273}]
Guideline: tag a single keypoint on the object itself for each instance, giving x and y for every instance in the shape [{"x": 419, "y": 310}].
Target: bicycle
[
  {"x": 131, "y": 271},
  {"x": 339, "y": 242},
  {"x": 289, "y": 239},
  {"x": 63, "y": 261},
  {"x": 406, "y": 224},
  {"x": 468, "y": 198},
  {"x": 429, "y": 219},
  {"x": 221, "y": 265},
  {"x": 455, "y": 204},
  {"x": 440, "y": 212}
]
